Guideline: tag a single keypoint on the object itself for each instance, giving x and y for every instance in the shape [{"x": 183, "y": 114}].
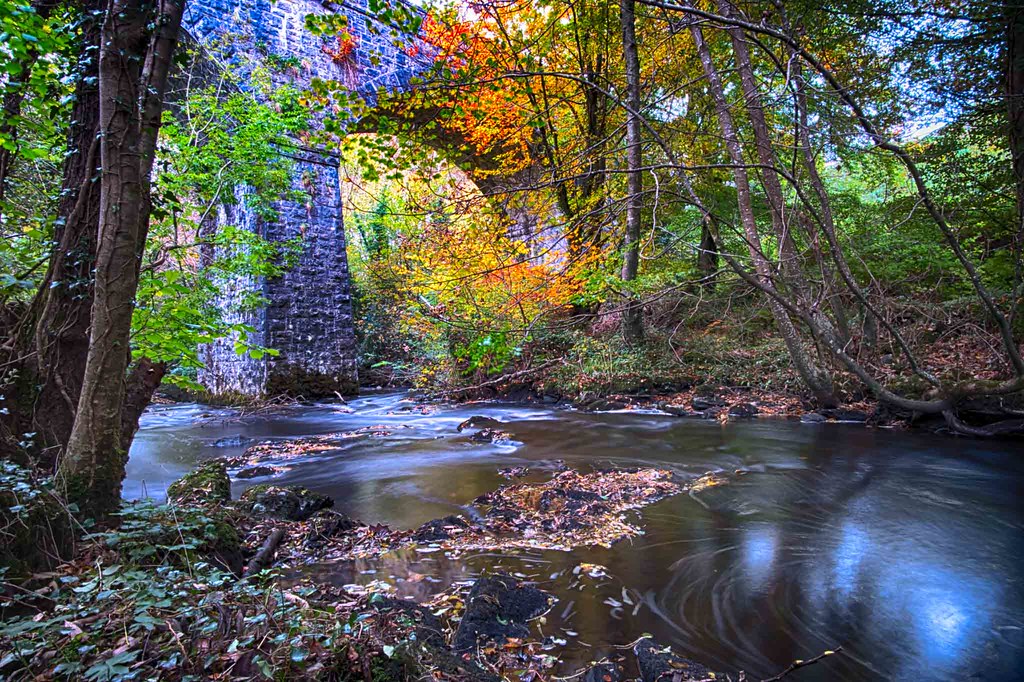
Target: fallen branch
[
  {"x": 494, "y": 382},
  {"x": 266, "y": 553},
  {"x": 796, "y": 665}
]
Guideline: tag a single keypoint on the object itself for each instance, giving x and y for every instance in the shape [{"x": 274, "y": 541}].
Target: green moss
[{"x": 207, "y": 484}]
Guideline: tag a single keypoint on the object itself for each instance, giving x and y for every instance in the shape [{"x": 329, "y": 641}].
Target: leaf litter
[{"x": 572, "y": 509}]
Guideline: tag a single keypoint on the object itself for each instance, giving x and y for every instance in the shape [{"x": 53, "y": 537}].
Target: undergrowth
[{"x": 143, "y": 602}]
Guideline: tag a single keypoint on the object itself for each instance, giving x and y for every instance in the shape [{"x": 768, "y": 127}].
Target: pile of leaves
[
  {"x": 293, "y": 448},
  {"x": 572, "y": 509}
]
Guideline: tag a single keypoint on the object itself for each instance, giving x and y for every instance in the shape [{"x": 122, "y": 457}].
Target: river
[{"x": 906, "y": 549}]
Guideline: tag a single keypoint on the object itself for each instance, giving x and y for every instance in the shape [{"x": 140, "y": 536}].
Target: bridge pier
[{"x": 308, "y": 314}]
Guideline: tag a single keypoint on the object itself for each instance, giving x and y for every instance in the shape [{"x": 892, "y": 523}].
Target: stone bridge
[{"x": 308, "y": 316}]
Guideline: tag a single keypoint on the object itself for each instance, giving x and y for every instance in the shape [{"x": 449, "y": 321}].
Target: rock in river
[
  {"x": 477, "y": 422},
  {"x": 231, "y": 441},
  {"x": 491, "y": 436},
  {"x": 256, "y": 472},
  {"x": 659, "y": 663},
  {"x": 285, "y": 503},
  {"x": 703, "y": 403},
  {"x": 743, "y": 411},
  {"x": 206, "y": 484},
  {"x": 498, "y": 608}
]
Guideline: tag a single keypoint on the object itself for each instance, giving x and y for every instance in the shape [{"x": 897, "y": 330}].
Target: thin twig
[{"x": 796, "y": 665}]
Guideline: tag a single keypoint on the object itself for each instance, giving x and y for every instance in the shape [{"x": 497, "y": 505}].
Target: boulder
[
  {"x": 491, "y": 436},
  {"x": 743, "y": 411},
  {"x": 659, "y": 663},
  {"x": 207, "y": 484},
  {"x": 813, "y": 418},
  {"x": 284, "y": 503},
  {"x": 603, "y": 672},
  {"x": 605, "y": 405},
  {"x": 478, "y": 421},
  {"x": 712, "y": 412},
  {"x": 498, "y": 608},
  {"x": 679, "y": 411},
  {"x": 326, "y": 524}
]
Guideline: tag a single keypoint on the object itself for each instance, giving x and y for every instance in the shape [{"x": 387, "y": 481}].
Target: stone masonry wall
[{"x": 308, "y": 318}]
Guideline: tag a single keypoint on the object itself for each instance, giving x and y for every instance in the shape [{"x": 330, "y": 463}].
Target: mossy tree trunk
[{"x": 137, "y": 43}]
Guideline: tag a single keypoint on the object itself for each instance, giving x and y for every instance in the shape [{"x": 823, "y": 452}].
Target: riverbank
[
  {"x": 209, "y": 587},
  {"x": 733, "y": 358}
]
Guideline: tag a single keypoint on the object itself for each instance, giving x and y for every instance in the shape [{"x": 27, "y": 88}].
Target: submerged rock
[
  {"x": 603, "y": 672},
  {"x": 478, "y": 421},
  {"x": 845, "y": 415},
  {"x": 256, "y": 472},
  {"x": 206, "y": 484},
  {"x": 605, "y": 405},
  {"x": 498, "y": 608},
  {"x": 491, "y": 436},
  {"x": 514, "y": 472},
  {"x": 231, "y": 441},
  {"x": 284, "y": 503},
  {"x": 659, "y": 663},
  {"x": 813, "y": 418}
]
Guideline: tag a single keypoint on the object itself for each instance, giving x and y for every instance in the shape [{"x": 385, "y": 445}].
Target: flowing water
[{"x": 906, "y": 549}]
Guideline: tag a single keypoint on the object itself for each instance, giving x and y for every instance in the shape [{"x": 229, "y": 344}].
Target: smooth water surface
[{"x": 905, "y": 549}]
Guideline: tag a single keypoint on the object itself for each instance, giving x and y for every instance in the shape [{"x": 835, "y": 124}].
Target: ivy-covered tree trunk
[{"x": 137, "y": 43}]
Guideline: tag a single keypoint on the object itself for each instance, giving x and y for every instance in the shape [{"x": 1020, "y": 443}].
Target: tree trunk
[
  {"x": 816, "y": 380},
  {"x": 707, "y": 254},
  {"x": 51, "y": 340},
  {"x": 143, "y": 380},
  {"x": 133, "y": 78},
  {"x": 632, "y": 317},
  {"x": 1014, "y": 86}
]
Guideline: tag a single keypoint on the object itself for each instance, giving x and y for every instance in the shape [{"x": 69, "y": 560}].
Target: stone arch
[{"x": 308, "y": 318}]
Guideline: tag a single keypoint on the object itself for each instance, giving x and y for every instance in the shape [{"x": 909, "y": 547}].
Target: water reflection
[{"x": 905, "y": 549}]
